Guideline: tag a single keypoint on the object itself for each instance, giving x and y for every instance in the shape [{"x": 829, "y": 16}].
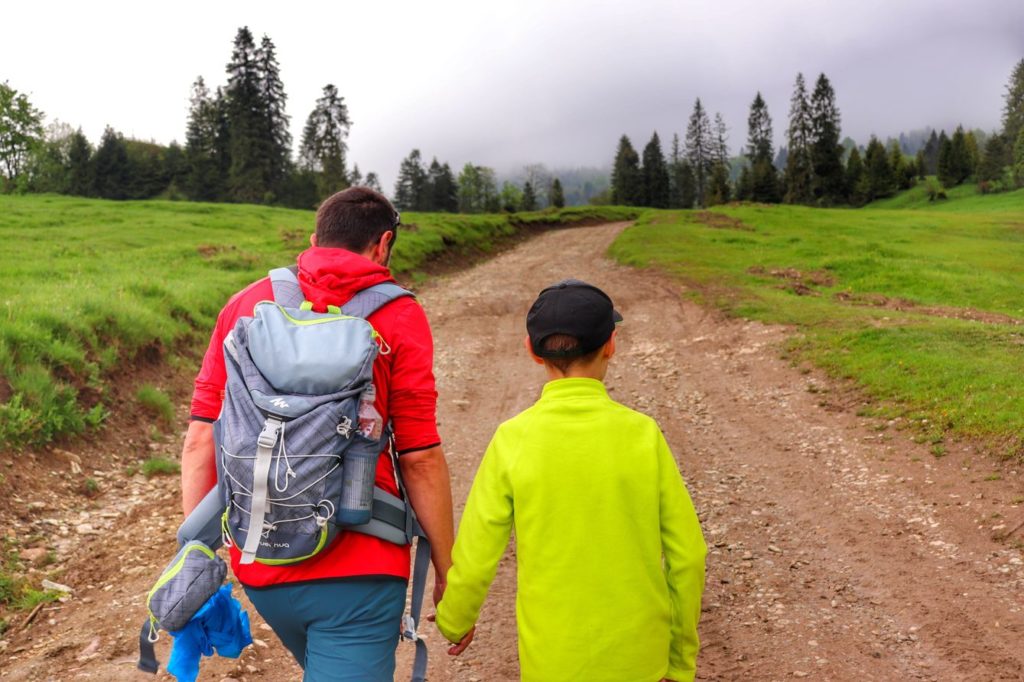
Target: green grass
[
  {"x": 924, "y": 362},
  {"x": 93, "y": 287},
  {"x": 965, "y": 197},
  {"x": 159, "y": 466},
  {"x": 156, "y": 404}
]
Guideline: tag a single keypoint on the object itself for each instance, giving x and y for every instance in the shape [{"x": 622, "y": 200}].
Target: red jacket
[{"x": 405, "y": 394}]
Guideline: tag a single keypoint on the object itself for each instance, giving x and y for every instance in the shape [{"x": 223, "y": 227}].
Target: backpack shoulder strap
[
  {"x": 371, "y": 299},
  {"x": 287, "y": 291}
]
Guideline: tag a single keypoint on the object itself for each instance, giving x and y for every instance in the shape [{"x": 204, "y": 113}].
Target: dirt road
[{"x": 839, "y": 549}]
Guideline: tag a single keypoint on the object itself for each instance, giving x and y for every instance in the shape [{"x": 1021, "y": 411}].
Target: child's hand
[{"x": 463, "y": 644}]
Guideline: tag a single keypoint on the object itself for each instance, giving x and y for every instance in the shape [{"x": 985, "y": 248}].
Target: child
[{"x": 610, "y": 555}]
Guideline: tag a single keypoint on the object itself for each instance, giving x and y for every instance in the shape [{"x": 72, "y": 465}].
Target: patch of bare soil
[
  {"x": 800, "y": 283},
  {"x": 720, "y": 221},
  {"x": 904, "y": 305},
  {"x": 839, "y": 549}
]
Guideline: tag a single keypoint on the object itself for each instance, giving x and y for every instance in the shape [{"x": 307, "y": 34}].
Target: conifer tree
[
  {"x": 1013, "y": 106},
  {"x": 954, "y": 160},
  {"x": 411, "y": 185},
  {"x": 675, "y": 159},
  {"x": 249, "y": 173},
  {"x": 373, "y": 182},
  {"x": 1018, "y": 159},
  {"x": 556, "y": 197},
  {"x": 720, "y": 188},
  {"x": 655, "y": 175},
  {"x": 855, "y": 186},
  {"x": 931, "y": 154},
  {"x": 80, "y": 181},
  {"x": 203, "y": 175},
  {"x": 443, "y": 194},
  {"x": 323, "y": 148},
  {"x": 826, "y": 152},
  {"x": 355, "y": 178},
  {"x": 993, "y": 161},
  {"x": 920, "y": 164},
  {"x": 627, "y": 182},
  {"x": 799, "y": 169},
  {"x": 276, "y": 135},
  {"x": 759, "y": 132},
  {"x": 761, "y": 181},
  {"x": 700, "y": 150},
  {"x": 111, "y": 174},
  {"x": 878, "y": 170},
  {"x": 529, "y": 202}
]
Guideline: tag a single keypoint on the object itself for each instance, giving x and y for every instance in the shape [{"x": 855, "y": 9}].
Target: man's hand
[{"x": 439, "y": 588}]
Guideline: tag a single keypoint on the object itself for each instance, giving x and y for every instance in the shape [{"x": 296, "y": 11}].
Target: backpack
[{"x": 293, "y": 466}]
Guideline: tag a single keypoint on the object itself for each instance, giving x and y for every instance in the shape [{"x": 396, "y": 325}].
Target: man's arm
[
  {"x": 198, "y": 465},
  {"x": 425, "y": 473}
]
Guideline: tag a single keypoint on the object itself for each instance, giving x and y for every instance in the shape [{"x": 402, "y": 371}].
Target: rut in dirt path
[{"x": 838, "y": 551}]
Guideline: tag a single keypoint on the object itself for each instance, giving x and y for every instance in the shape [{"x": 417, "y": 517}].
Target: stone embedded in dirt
[
  {"x": 85, "y": 529},
  {"x": 90, "y": 651},
  {"x": 34, "y": 555},
  {"x": 56, "y": 587}
]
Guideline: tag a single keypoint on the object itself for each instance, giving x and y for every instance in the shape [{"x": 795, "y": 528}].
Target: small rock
[
  {"x": 800, "y": 673},
  {"x": 56, "y": 587},
  {"x": 85, "y": 529},
  {"x": 773, "y": 548},
  {"x": 90, "y": 650},
  {"x": 34, "y": 555}
]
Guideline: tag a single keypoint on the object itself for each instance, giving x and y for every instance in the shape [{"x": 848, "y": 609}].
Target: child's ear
[
  {"x": 609, "y": 346},
  {"x": 529, "y": 349},
  {"x": 312, "y": 239}
]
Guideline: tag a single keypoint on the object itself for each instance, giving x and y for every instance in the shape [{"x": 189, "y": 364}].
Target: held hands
[{"x": 463, "y": 644}]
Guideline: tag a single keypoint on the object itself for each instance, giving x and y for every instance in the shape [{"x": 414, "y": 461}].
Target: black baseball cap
[{"x": 573, "y": 308}]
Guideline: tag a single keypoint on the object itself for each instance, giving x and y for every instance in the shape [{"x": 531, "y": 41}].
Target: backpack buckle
[{"x": 268, "y": 436}]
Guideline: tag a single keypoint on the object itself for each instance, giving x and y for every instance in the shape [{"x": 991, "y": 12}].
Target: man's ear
[
  {"x": 312, "y": 239},
  {"x": 529, "y": 349},
  {"x": 380, "y": 249}
]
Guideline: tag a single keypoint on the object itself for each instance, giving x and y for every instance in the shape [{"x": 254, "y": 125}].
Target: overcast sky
[{"x": 505, "y": 84}]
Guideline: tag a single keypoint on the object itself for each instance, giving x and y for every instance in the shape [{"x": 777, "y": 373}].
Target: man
[{"x": 339, "y": 611}]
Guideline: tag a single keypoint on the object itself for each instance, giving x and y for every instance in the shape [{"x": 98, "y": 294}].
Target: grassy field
[
  {"x": 90, "y": 288},
  {"x": 921, "y": 308}
]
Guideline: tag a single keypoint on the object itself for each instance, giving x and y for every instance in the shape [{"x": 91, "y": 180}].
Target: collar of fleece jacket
[{"x": 332, "y": 276}]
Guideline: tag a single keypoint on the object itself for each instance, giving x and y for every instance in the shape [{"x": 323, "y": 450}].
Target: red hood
[{"x": 333, "y": 276}]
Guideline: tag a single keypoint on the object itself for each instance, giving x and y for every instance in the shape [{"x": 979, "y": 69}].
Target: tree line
[
  {"x": 813, "y": 167},
  {"x": 237, "y": 145},
  {"x": 474, "y": 190}
]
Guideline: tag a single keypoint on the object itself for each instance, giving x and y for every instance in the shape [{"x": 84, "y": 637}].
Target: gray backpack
[{"x": 293, "y": 467}]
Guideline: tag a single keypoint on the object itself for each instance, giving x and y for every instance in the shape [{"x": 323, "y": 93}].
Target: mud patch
[
  {"x": 905, "y": 305},
  {"x": 796, "y": 281},
  {"x": 720, "y": 221}
]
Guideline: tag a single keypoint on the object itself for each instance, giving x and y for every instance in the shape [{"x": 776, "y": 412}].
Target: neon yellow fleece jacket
[{"x": 609, "y": 551}]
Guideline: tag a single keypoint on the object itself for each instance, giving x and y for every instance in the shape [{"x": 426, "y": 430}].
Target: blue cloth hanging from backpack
[{"x": 219, "y": 624}]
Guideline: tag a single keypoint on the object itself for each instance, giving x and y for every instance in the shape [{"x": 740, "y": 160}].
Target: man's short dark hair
[
  {"x": 355, "y": 219},
  {"x": 564, "y": 342}
]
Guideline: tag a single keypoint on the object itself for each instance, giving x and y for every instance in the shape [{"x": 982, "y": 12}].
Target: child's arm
[
  {"x": 481, "y": 541},
  {"x": 683, "y": 545}
]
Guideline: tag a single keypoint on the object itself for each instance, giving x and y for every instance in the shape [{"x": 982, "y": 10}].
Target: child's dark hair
[{"x": 564, "y": 342}]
